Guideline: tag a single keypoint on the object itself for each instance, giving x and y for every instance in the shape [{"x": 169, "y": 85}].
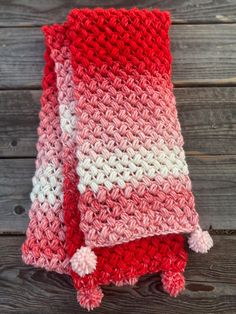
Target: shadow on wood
[{"x": 210, "y": 286}]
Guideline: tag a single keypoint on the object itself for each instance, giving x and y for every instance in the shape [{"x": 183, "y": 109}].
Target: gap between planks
[
  {"x": 35, "y": 13},
  {"x": 210, "y": 286}
]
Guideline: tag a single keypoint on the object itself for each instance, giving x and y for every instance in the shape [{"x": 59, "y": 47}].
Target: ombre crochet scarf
[{"x": 111, "y": 198}]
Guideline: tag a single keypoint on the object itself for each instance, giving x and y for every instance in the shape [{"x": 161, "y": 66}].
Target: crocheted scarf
[{"x": 111, "y": 194}]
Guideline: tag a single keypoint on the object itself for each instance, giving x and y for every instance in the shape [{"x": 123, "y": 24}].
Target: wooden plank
[
  {"x": 203, "y": 54},
  {"x": 15, "y": 187},
  {"x": 208, "y": 119},
  {"x": 213, "y": 177},
  {"x": 35, "y": 13},
  {"x": 210, "y": 286},
  {"x": 19, "y": 121},
  {"x": 207, "y": 116}
]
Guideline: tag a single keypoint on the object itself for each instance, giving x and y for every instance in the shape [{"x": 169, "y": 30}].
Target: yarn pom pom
[
  {"x": 84, "y": 261},
  {"x": 90, "y": 298},
  {"x": 200, "y": 241},
  {"x": 173, "y": 282}
]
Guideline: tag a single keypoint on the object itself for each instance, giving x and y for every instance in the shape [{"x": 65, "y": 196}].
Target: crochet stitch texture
[
  {"x": 45, "y": 244},
  {"x": 111, "y": 193},
  {"x": 133, "y": 175}
]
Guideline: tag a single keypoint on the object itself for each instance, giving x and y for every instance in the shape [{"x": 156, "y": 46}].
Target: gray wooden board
[
  {"x": 19, "y": 121},
  {"x": 36, "y": 13},
  {"x": 214, "y": 184},
  {"x": 210, "y": 286},
  {"x": 203, "y": 55},
  {"x": 207, "y": 116}
]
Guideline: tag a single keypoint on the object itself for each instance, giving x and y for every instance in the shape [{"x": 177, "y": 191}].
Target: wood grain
[
  {"x": 207, "y": 116},
  {"x": 19, "y": 121},
  {"x": 210, "y": 286},
  {"x": 37, "y": 13},
  {"x": 203, "y": 55},
  {"x": 203, "y": 44},
  {"x": 214, "y": 185}
]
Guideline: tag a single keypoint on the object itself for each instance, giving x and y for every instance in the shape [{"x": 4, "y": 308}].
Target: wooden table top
[{"x": 203, "y": 44}]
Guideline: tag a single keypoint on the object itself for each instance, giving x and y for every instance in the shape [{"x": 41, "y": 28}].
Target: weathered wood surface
[
  {"x": 210, "y": 286},
  {"x": 214, "y": 185},
  {"x": 203, "y": 55},
  {"x": 207, "y": 116},
  {"x": 37, "y": 13},
  {"x": 19, "y": 121}
]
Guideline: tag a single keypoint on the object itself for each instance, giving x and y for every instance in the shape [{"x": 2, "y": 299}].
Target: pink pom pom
[
  {"x": 84, "y": 261},
  {"x": 200, "y": 241},
  {"x": 173, "y": 282},
  {"x": 90, "y": 298}
]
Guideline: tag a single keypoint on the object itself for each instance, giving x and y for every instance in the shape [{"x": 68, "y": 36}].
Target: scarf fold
[{"x": 111, "y": 196}]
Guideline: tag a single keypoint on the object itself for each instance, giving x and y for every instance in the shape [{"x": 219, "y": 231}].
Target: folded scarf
[{"x": 111, "y": 194}]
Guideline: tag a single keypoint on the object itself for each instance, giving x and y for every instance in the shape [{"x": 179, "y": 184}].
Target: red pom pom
[
  {"x": 90, "y": 298},
  {"x": 173, "y": 282}
]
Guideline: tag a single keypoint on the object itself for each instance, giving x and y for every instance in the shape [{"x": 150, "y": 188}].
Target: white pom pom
[
  {"x": 200, "y": 241},
  {"x": 84, "y": 261}
]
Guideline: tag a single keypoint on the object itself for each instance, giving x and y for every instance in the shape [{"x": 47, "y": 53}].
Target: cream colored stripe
[
  {"x": 131, "y": 166},
  {"x": 47, "y": 184},
  {"x": 68, "y": 118}
]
